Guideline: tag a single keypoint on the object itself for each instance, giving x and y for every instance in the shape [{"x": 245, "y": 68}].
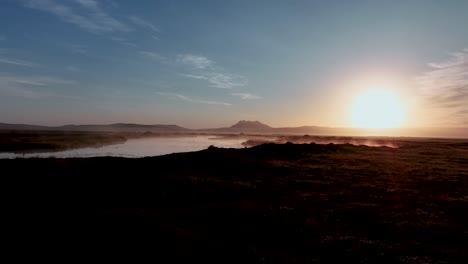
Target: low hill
[
  {"x": 250, "y": 126},
  {"x": 122, "y": 127},
  {"x": 4, "y": 126},
  {"x": 253, "y": 127},
  {"x": 119, "y": 127}
]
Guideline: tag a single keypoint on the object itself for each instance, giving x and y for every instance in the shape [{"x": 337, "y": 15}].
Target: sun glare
[{"x": 377, "y": 108}]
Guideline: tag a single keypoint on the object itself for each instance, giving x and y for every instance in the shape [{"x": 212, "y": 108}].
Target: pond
[{"x": 137, "y": 148}]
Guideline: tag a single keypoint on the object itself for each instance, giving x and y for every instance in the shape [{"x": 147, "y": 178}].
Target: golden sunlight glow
[{"x": 377, "y": 108}]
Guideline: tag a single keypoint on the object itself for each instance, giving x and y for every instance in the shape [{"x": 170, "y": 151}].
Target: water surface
[{"x": 136, "y": 148}]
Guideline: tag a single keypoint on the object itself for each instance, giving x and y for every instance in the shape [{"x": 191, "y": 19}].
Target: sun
[{"x": 377, "y": 108}]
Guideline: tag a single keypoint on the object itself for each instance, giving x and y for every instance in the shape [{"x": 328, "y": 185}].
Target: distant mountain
[
  {"x": 260, "y": 128},
  {"x": 242, "y": 126},
  {"x": 250, "y": 125},
  {"x": 4, "y": 126},
  {"x": 120, "y": 127}
]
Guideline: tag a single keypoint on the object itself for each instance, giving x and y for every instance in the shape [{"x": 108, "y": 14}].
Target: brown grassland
[{"x": 272, "y": 203}]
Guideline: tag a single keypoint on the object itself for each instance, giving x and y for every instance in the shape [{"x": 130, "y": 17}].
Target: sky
[{"x": 205, "y": 64}]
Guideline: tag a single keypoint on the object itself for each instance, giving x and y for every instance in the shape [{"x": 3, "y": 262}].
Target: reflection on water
[{"x": 136, "y": 148}]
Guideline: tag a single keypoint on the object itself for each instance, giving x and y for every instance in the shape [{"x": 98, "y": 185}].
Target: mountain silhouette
[
  {"x": 250, "y": 125},
  {"x": 245, "y": 126}
]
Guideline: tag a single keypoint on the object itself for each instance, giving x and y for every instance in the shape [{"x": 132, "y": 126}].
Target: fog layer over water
[{"x": 136, "y": 148}]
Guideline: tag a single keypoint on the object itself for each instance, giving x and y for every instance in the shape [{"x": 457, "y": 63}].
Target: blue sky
[{"x": 211, "y": 63}]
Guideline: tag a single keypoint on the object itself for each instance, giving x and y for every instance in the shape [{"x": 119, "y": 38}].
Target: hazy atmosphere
[{"x": 206, "y": 64}]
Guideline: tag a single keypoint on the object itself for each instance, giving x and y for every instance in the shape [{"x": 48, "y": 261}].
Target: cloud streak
[
  {"x": 124, "y": 41},
  {"x": 16, "y": 62},
  {"x": 202, "y": 68},
  {"x": 86, "y": 14},
  {"x": 72, "y": 68},
  {"x": 152, "y": 55},
  {"x": 35, "y": 80},
  {"x": 220, "y": 80},
  {"x": 33, "y": 87},
  {"x": 445, "y": 88},
  {"x": 246, "y": 96},
  {"x": 78, "y": 48},
  {"x": 193, "y": 100},
  {"x": 143, "y": 23},
  {"x": 195, "y": 61}
]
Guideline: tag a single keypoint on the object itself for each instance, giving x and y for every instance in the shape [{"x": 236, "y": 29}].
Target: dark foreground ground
[{"x": 268, "y": 204}]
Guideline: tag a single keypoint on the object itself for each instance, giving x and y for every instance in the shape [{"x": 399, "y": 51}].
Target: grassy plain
[{"x": 273, "y": 203}]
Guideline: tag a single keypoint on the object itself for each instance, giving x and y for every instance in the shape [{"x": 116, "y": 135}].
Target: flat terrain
[
  {"x": 28, "y": 141},
  {"x": 46, "y": 141},
  {"x": 273, "y": 203}
]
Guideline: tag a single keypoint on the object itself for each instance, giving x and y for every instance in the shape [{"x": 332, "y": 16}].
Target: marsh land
[{"x": 271, "y": 203}]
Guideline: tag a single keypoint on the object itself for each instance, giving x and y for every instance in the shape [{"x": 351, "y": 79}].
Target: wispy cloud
[
  {"x": 90, "y": 4},
  {"x": 112, "y": 3},
  {"x": 33, "y": 87},
  {"x": 86, "y": 14},
  {"x": 73, "y": 68},
  {"x": 246, "y": 96},
  {"x": 152, "y": 55},
  {"x": 155, "y": 56},
  {"x": 119, "y": 39},
  {"x": 195, "y": 61},
  {"x": 143, "y": 23},
  {"x": 35, "y": 80},
  {"x": 78, "y": 48},
  {"x": 16, "y": 62},
  {"x": 130, "y": 44},
  {"x": 193, "y": 100},
  {"x": 445, "y": 88},
  {"x": 202, "y": 68},
  {"x": 220, "y": 80},
  {"x": 124, "y": 41}
]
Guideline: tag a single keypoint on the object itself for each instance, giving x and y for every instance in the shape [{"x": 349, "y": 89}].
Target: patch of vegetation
[
  {"x": 275, "y": 203},
  {"x": 45, "y": 141}
]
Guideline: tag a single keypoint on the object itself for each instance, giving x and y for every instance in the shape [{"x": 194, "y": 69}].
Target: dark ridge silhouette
[
  {"x": 4, "y": 126},
  {"x": 249, "y": 125},
  {"x": 252, "y": 127},
  {"x": 125, "y": 127}
]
